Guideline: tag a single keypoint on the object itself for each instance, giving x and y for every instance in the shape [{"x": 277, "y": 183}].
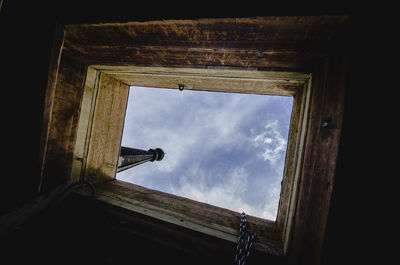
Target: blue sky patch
[{"x": 225, "y": 149}]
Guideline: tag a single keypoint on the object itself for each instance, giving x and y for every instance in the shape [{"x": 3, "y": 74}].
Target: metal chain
[{"x": 244, "y": 246}]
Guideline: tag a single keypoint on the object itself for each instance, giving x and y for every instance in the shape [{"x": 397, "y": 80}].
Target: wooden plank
[
  {"x": 64, "y": 122},
  {"x": 201, "y": 217},
  {"x": 283, "y": 42},
  {"x": 55, "y": 57},
  {"x": 208, "y": 32},
  {"x": 293, "y": 163},
  {"x": 183, "y": 56},
  {"x": 85, "y": 121},
  {"x": 167, "y": 233},
  {"x": 216, "y": 250},
  {"x": 227, "y": 80},
  {"x": 106, "y": 132},
  {"x": 283, "y": 88},
  {"x": 216, "y": 72},
  {"x": 318, "y": 171}
]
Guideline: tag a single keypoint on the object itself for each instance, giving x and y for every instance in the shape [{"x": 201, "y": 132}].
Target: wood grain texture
[
  {"x": 85, "y": 121},
  {"x": 226, "y": 80},
  {"x": 57, "y": 46},
  {"x": 201, "y": 217},
  {"x": 282, "y": 42},
  {"x": 293, "y": 163},
  {"x": 273, "y": 43},
  {"x": 318, "y": 170},
  {"x": 106, "y": 129},
  {"x": 64, "y": 122}
]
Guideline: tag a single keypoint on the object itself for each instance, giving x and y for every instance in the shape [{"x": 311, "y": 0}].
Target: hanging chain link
[{"x": 244, "y": 246}]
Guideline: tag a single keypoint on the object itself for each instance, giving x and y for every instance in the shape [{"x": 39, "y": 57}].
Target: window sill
[{"x": 201, "y": 217}]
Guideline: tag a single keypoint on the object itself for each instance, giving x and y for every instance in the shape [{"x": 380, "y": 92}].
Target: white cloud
[
  {"x": 230, "y": 194},
  {"x": 191, "y": 128},
  {"x": 273, "y": 143},
  {"x": 226, "y": 194}
]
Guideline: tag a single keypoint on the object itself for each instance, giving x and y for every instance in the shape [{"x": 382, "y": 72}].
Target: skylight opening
[{"x": 225, "y": 149}]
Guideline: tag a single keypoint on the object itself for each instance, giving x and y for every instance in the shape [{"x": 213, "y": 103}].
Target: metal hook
[{"x": 181, "y": 87}]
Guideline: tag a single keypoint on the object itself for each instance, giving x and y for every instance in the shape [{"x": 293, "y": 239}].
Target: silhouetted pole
[{"x": 130, "y": 157}]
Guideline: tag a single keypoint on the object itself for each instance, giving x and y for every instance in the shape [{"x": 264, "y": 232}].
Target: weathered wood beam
[
  {"x": 278, "y": 42},
  {"x": 55, "y": 58},
  {"x": 194, "y": 215},
  {"x": 63, "y": 122},
  {"x": 169, "y": 56},
  {"x": 321, "y": 151},
  {"x": 104, "y": 136},
  {"x": 237, "y": 81},
  {"x": 228, "y": 32}
]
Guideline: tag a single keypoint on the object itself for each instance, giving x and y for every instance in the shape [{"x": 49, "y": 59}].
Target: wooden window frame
[
  {"x": 87, "y": 87},
  {"x": 100, "y": 133}
]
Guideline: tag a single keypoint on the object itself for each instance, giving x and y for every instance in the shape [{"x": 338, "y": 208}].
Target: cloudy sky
[{"x": 224, "y": 149}]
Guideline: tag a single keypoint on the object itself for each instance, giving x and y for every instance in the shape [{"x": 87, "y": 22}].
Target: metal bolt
[{"x": 326, "y": 122}]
